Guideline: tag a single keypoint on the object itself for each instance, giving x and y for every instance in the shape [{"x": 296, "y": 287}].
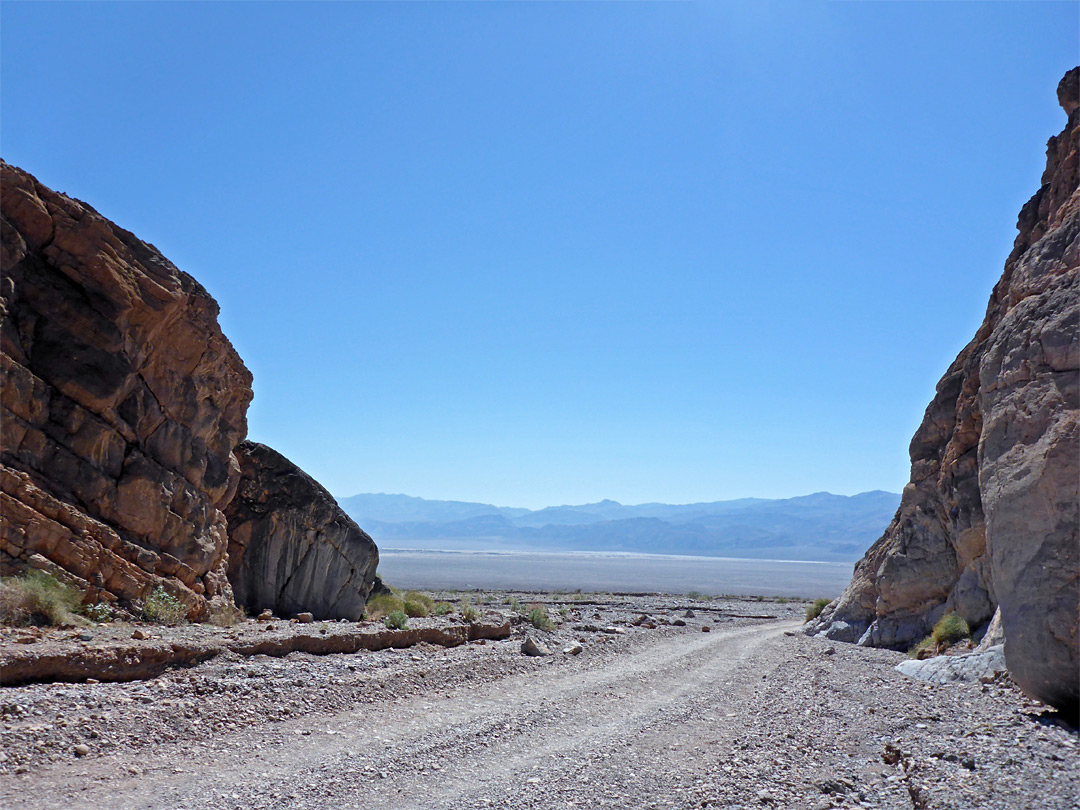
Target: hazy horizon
[{"x": 611, "y": 500}]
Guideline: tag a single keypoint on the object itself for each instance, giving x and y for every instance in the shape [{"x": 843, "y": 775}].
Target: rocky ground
[{"x": 651, "y": 713}]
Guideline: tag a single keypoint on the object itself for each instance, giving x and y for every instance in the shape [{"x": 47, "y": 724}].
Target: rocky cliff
[
  {"x": 291, "y": 548},
  {"x": 121, "y": 405},
  {"x": 990, "y": 518}
]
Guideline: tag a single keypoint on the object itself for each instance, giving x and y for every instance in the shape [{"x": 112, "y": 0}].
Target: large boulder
[
  {"x": 291, "y": 547},
  {"x": 121, "y": 402},
  {"x": 990, "y": 516}
]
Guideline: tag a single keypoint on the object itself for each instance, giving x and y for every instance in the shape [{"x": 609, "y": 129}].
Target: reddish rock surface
[
  {"x": 990, "y": 516},
  {"x": 121, "y": 402}
]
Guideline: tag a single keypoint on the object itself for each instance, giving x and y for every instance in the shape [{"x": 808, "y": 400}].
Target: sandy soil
[{"x": 749, "y": 714}]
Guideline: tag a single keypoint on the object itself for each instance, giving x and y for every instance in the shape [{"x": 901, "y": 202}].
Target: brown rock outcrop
[
  {"x": 990, "y": 516},
  {"x": 291, "y": 547},
  {"x": 121, "y": 404},
  {"x": 127, "y": 660}
]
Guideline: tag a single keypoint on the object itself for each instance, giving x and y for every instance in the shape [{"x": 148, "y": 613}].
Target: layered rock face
[
  {"x": 291, "y": 547},
  {"x": 123, "y": 411},
  {"x": 121, "y": 402},
  {"x": 990, "y": 516}
]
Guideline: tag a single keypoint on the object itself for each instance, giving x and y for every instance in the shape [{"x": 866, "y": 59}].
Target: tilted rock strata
[
  {"x": 291, "y": 547},
  {"x": 990, "y": 516},
  {"x": 121, "y": 404}
]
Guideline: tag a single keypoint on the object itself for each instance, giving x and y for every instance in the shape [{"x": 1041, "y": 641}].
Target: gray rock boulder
[
  {"x": 530, "y": 646},
  {"x": 291, "y": 548},
  {"x": 968, "y": 667}
]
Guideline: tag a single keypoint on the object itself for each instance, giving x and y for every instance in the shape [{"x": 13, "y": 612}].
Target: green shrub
[
  {"x": 99, "y": 612},
  {"x": 163, "y": 608},
  {"x": 383, "y": 605},
  {"x": 415, "y": 609},
  {"x": 443, "y": 608},
  {"x": 950, "y": 630},
  {"x": 539, "y": 618},
  {"x": 814, "y": 610},
  {"x": 421, "y": 598},
  {"x": 697, "y": 596},
  {"x": 515, "y": 605},
  {"x": 468, "y": 612},
  {"x": 927, "y": 643},
  {"x": 396, "y": 620},
  {"x": 37, "y": 598}
]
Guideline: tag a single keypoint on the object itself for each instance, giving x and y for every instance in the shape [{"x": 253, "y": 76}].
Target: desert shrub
[
  {"x": 223, "y": 614},
  {"x": 98, "y": 612},
  {"x": 422, "y": 598},
  {"x": 397, "y": 620},
  {"x": 468, "y": 612},
  {"x": 539, "y": 618},
  {"x": 515, "y": 605},
  {"x": 950, "y": 629},
  {"x": 163, "y": 608},
  {"x": 37, "y": 598},
  {"x": 415, "y": 609},
  {"x": 442, "y": 608},
  {"x": 919, "y": 650},
  {"x": 383, "y": 605},
  {"x": 697, "y": 596},
  {"x": 814, "y": 610}
]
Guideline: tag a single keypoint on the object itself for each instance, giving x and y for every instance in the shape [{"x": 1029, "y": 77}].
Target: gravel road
[{"x": 751, "y": 714}]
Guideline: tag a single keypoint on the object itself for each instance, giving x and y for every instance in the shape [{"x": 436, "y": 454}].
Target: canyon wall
[
  {"x": 121, "y": 404},
  {"x": 990, "y": 517},
  {"x": 121, "y": 407}
]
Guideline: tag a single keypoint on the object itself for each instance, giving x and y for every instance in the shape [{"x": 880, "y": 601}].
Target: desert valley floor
[{"x": 735, "y": 708}]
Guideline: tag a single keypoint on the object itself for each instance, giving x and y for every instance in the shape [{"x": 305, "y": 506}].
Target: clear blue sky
[{"x": 540, "y": 253}]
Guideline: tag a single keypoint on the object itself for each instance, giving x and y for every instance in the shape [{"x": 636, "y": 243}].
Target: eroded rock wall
[
  {"x": 291, "y": 547},
  {"x": 990, "y": 516},
  {"x": 121, "y": 402}
]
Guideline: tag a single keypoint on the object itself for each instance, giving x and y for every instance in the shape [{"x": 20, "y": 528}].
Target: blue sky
[{"x": 539, "y": 253}]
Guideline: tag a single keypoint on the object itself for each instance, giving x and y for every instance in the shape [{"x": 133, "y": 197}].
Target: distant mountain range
[{"x": 822, "y": 526}]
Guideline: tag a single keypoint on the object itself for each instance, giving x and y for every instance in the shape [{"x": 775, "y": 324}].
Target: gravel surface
[{"x": 749, "y": 714}]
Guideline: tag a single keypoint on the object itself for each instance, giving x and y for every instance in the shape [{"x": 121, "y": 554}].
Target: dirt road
[{"x": 747, "y": 715}]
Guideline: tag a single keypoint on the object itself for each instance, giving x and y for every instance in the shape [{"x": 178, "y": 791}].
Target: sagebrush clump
[
  {"x": 163, "y": 608},
  {"x": 814, "y": 610},
  {"x": 383, "y": 605},
  {"x": 37, "y": 598},
  {"x": 396, "y": 620},
  {"x": 418, "y": 605},
  {"x": 926, "y": 648},
  {"x": 539, "y": 618},
  {"x": 99, "y": 612},
  {"x": 950, "y": 629},
  {"x": 442, "y": 608},
  {"x": 468, "y": 612}
]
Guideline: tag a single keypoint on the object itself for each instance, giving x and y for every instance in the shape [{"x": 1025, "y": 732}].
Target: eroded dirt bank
[{"x": 749, "y": 714}]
